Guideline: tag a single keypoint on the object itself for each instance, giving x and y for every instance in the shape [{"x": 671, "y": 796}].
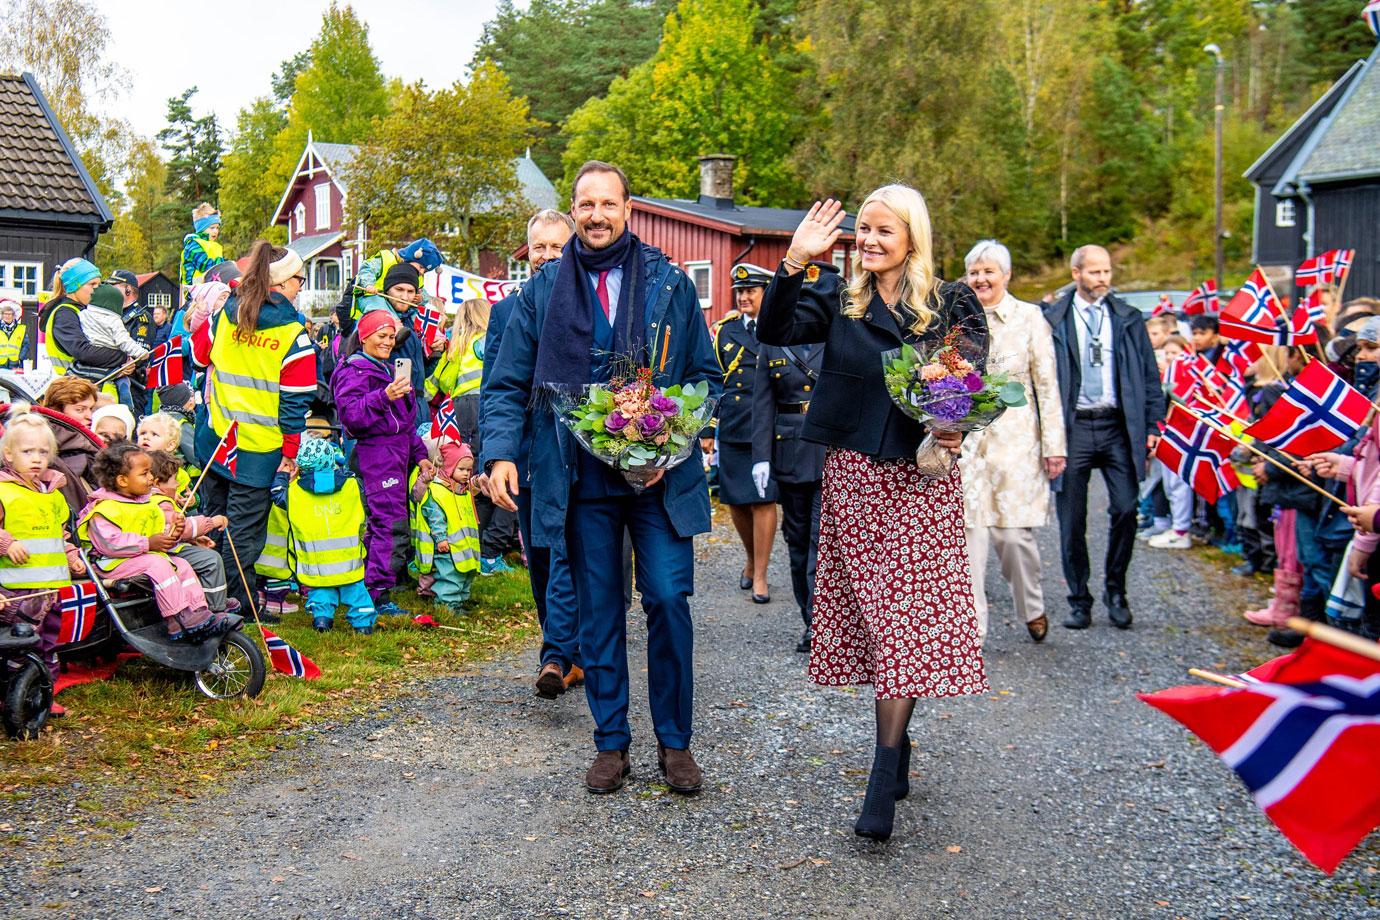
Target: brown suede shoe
[
  {"x": 678, "y": 765},
  {"x": 576, "y": 677},
  {"x": 607, "y": 772},
  {"x": 1038, "y": 628},
  {"x": 550, "y": 682}
]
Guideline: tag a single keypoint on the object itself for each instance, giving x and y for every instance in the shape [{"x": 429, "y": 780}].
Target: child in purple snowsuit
[{"x": 380, "y": 413}]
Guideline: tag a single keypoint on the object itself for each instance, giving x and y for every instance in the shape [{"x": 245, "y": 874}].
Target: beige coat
[{"x": 1004, "y": 482}]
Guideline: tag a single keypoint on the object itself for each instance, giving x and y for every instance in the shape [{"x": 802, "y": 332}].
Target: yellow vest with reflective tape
[
  {"x": 460, "y": 376},
  {"x": 242, "y": 382},
  {"x": 143, "y": 519},
  {"x": 273, "y": 561},
  {"x": 12, "y": 345},
  {"x": 327, "y": 533},
  {"x": 35, "y": 519},
  {"x": 462, "y": 528},
  {"x": 387, "y": 259},
  {"x": 213, "y": 249},
  {"x": 61, "y": 359}
]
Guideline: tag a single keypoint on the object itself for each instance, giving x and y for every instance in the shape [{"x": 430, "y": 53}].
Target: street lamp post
[{"x": 1219, "y": 109}]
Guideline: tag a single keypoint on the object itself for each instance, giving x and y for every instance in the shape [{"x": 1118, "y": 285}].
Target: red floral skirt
[{"x": 893, "y": 596}]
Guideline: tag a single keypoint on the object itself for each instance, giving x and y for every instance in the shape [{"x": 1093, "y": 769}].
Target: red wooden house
[{"x": 708, "y": 236}]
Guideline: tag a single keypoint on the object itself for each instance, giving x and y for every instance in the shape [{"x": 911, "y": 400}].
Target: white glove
[{"x": 761, "y": 475}]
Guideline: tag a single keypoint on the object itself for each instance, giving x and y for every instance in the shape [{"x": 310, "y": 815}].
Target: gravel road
[{"x": 1058, "y": 795}]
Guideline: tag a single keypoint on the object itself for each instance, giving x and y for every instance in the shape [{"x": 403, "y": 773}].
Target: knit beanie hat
[
  {"x": 1369, "y": 331},
  {"x": 115, "y": 410},
  {"x": 452, "y": 452},
  {"x": 175, "y": 396},
  {"x": 108, "y": 297},
  {"x": 79, "y": 273},
  {"x": 423, "y": 251},
  {"x": 207, "y": 292},
  {"x": 318, "y": 454},
  {"x": 375, "y": 320},
  {"x": 402, "y": 273},
  {"x": 205, "y": 223}
]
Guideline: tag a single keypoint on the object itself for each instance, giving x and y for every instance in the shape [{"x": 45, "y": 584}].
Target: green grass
[{"x": 148, "y": 732}]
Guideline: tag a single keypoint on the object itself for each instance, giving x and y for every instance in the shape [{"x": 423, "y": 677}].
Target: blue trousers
[
  {"x": 1319, "y": 563},
  {"x": 321, "y": 602},
  {"x": 666, "y": 577},
  {"x": 558, "y": 609}
]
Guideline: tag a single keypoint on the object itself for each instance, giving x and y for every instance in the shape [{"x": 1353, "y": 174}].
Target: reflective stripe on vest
[
  {"x": 35, "y": 519},
  {"x": 142, "y": 519},
  {"x": 243, "y": 381},
  {"x": 273, "y": 561},
  {"x": 12, "y": 345},
  {"x": 61, "y": 359},
  {"x": 462, "y": 528},
  {"x": 387, "y": 259},
  {"x": 214, "y": 251},
  {"x": 325, "y": 532}
]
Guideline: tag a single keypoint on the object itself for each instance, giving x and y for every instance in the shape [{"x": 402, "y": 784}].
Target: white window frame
[
  {"x": 299, "y": 218},
  {"x": 708, "y": 268},
  {"x": 519, "y": 269},
  {"x": 316, "y": 266},
  {"x": 1286, "y": 213},
  {"x": 323, "y": 205},
  {"x": 840, "y": 260},
  {"x": 159, "y": 300},
  {"x": 347, "y": 265},
  {"x": 8, "y": 278}
]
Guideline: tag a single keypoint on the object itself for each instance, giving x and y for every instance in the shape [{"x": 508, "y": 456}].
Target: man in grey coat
[{"x": 1113, "y": 404}]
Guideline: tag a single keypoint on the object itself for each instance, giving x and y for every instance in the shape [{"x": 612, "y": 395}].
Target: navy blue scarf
[{"x": 567, "y": 334}]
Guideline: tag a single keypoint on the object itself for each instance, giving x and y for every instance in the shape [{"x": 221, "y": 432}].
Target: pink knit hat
[
  {"x": 452, "y": 452},
  {"x": 373, "y": 321}
]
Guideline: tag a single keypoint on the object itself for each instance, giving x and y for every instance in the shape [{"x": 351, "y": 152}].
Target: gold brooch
[{"x": 812, "y": 274}]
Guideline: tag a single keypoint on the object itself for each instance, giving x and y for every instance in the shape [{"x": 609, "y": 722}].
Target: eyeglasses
[{"x": 300, "y": 279}]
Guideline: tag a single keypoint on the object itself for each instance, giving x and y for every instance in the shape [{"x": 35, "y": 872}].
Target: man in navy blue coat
[{"x": 608, "y": 295}]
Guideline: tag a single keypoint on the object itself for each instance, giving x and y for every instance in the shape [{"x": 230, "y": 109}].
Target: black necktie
[{"x": 752, "y": 326}]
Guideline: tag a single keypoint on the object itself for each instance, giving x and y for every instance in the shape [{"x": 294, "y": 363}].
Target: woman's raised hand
[
  {"x": 818, "y": 232},
  {"x": 398, "y": 389}
]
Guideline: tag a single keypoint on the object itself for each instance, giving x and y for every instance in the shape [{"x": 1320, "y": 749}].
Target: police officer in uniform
[
  {"x": 786, "y": 378},
  {"x": 753, "y": 511},
  {"x": 138, "y": 320}
]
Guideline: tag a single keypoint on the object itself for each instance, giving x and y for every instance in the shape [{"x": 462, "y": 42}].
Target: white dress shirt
[
  {"x": 614, "y": 283},
  {"x": 1081, "y": 323}
]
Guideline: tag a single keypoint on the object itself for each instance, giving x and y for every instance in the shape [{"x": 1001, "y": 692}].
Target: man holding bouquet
[{"x": 608, "y": 307}]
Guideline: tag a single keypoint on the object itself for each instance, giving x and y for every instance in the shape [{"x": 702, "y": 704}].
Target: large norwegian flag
[
  {"x": 77, "y": 606},
  {"x": 1237, "y": 358},
  {"x": 165, "y": 365},
  {"x": 1304, "y": 736},
  {"x": 288, "y": 660},
  {"x": 1325, "y": 268},
  {"x": 1202, "y": 300},
  {"x": 1317, "y": 412},
  {"x": 1197, "y": 453}
]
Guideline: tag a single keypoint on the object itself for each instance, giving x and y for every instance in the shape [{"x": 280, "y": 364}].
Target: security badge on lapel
[{"x": 1095, "y": 350}]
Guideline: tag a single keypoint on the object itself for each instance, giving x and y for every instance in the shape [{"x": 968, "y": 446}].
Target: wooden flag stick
[
  {"x": 117, "y": 372},
  {"x": 1216, "y": 394},
  {"x": 248, "y": 591},
  {"x": 191, "y": 496},
  {"x": 1266, "y": 457},
  {"x": 1338, "y": 637},
  {"x": 436, "y": 301},
  {"x": 1222, "y": 679}
]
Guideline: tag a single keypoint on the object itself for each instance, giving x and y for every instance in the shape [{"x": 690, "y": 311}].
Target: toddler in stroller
[{"x": 130, "y": 534}]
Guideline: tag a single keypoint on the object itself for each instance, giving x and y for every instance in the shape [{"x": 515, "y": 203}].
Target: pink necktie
[{"x": 602, "y": 290}]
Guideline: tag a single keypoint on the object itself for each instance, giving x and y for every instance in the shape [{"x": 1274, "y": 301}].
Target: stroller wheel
[
  {"x": 237, "y": 670},
  {"x": 29, "y": 695}
]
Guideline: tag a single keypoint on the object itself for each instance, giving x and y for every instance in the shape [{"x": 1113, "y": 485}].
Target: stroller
[
  {"x": 25, "y": 685},
  {"x": 127, "y": 617}
]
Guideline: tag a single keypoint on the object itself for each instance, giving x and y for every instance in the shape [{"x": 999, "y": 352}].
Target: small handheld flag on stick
[
  {"x": 284, "y": 657},
  {"x": 444, "y": 423},
  {"x": 226, "y": 454},
  {"x": 165, "y": 365},
  {"x": 1202, "y": 300},
  {"x": 77, "y": 606},
  {"x": 1318, "y": 411}
]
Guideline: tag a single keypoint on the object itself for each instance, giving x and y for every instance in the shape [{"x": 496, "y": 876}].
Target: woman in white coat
[{"x": 1008, "y": 467}]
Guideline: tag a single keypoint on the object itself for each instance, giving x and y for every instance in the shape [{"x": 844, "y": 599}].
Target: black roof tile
[{"x": 40, "y": 172}]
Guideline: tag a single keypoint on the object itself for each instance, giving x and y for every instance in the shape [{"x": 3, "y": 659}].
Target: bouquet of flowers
[
  {"x": 945, "y": 392},
  {"x": 636, "y": 427}
]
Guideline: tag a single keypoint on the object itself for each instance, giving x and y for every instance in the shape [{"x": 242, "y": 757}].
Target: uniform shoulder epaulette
[{"x": 728, "y": 317}]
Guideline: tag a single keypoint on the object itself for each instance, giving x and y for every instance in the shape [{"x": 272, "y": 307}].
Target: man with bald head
[{"x": 1112, "y": 399}]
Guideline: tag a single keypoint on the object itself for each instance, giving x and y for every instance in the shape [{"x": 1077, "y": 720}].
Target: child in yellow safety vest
[
  {"x": 131, "y": 534},
  {"x": 325, "y": 518},
  {"x": 445, "y": 529},
  {"x": 36, "y": 554},
  {"x": 198, "y": 548}
]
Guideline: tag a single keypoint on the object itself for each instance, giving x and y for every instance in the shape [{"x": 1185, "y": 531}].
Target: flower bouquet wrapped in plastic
[
  {"x": 636, "y": 427},
  {"x": 945, "y": 392}
]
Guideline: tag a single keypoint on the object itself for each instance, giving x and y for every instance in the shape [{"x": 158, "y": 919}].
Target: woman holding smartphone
[{"x": 377, "y": 403}]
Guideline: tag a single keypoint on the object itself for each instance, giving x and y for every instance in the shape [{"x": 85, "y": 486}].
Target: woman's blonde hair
[
  {"x": 21, "y": 416},
  {"x": 471, "y": 321},
  {"x": 918, "y": 283}
]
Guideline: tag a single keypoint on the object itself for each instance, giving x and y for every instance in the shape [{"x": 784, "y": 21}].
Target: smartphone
[{"x": 402, "y": 369}]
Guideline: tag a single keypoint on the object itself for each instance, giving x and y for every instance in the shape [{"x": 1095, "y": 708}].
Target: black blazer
[{"x": 852, "y": 408}]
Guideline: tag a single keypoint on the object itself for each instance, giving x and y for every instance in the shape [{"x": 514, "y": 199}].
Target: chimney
[{"x": 716, "y": 180}]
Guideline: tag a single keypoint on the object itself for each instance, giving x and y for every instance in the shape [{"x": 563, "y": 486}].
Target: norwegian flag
[
  {"x": 77, "y": 605},
  {"x": 1180, "y": 377},
  {"x": 427, "y": 321},
  {"x": 1163, "y": 307},
  {"x": 1302, "y": 329},
  {"x": 443, "y": 422},
  {"x": 1237, "y": 358},
  {"x": 1317, "y": 412},
  {"x": 228, "y": 450},
  {"x": 1203, "y": 299},
  {"x": 1371, "y": 14},
  {"x": 1252, "y": 314},
  {"x": 165, "y": 364},
  {"x": 1224, "y": 395},
  {"x": 1325, "y": 268},
  {"x": 288, "y": 660},
  {"x": 1304, "y": 736},
  {"x": 1197, "y": 453},
  {"x": 1313, "y": 306}
]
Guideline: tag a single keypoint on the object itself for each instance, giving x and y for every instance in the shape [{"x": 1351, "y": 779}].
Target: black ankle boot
[
  {"x": 903, "y": 768},
  {"x": 879, "y": 808}
]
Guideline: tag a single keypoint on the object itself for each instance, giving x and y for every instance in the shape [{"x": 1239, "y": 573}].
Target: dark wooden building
[
  {"x": 50, "y": 209},
  {"x": 1318, "y": 186},
  {"x": 709, "y": 235},
  {"x": 157, "y": 290}
]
